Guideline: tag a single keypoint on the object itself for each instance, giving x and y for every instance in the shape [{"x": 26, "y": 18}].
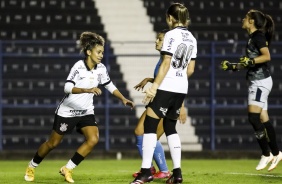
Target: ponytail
[
  {"x": 180, "y": 13},
  {"x": 269, "y": 28},
  {"x": 263, "y": 22},
  {"x": 183, "y": 15}
]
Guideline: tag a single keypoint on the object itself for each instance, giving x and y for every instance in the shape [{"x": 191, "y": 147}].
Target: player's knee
[
  {"x": 138, "y": 131},
  {"x": 92, "y": 140},
  {"x": 150, "y": 125},
  {"x": 254, "y": 119},
  {"x": 169, "y": 126},
  {"x": 52, "y": 144},
  {"x": 159, "y": 134}
]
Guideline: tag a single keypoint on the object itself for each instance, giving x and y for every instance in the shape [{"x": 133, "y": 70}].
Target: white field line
[{"x": 252, "y": 174}]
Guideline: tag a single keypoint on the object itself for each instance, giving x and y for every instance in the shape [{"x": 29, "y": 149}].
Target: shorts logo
[
  {"x": 178, "y": 111},
  {"x": 163, "y": 110},
  {"x": 63, "y": 127}
]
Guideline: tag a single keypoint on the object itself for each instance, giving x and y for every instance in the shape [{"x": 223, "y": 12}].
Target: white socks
[
  {"x": 32, "y": 164},
  {"x": 174, "y": 144},
  {"x": 149, "y": 144},
  {"x": 70, "y": 165}
]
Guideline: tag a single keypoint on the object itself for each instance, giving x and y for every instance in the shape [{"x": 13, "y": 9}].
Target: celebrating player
[
  {"x": 168, "y": 91},
  {"x": 260, "y": 27},
  {"x": 76, "y": 110}
]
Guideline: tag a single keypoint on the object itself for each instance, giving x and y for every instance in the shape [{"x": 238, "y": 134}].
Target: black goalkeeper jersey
[{"x": 257, "y": 41}]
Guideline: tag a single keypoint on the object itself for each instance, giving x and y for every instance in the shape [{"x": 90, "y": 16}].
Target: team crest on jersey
[
  {"x": 63, "y": 127},
  {"x": 99, "y": 79},
  {"x": 163, "y": 110}
]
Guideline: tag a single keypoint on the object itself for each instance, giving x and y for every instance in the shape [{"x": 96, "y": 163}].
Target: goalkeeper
[{"x": 260, "y": 27}]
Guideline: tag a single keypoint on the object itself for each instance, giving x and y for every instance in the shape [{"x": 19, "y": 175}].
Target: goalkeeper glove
[
  {"x": 150, "y": 93},
  {"x": 226, "y": 65},
  {"x": 247, "y": 62}
]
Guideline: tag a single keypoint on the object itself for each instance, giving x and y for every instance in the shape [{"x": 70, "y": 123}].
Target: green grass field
[{"x": 119, "y": 172}]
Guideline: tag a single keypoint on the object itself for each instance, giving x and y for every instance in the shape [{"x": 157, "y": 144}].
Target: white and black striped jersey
[
  {"x": 182, "y": 46},
  {"x": 81, "y": 76}
]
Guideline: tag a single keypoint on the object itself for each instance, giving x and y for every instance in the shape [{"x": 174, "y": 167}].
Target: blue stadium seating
[
  {"x": 39, "y": 81},
  {"x": 36, "y": 84},
  {"x": 219, "y": 20}
]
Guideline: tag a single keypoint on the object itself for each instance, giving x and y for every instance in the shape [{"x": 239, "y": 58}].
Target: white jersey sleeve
[
  {"x": 71, "y": 79},
  {"x": 74, "y": 74},
  {"x": 195, "y": 50},
  {"x": 104, "y": 78}
]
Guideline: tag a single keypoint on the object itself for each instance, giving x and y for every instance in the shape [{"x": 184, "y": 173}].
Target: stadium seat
[
  {"x": 26, "y": 81},
  {"x": 37, "y": 82}
]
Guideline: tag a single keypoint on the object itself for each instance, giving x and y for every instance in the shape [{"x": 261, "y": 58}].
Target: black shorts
[
  {"x": 167, "y": 104},
  {"x": 64, "y": 125}
]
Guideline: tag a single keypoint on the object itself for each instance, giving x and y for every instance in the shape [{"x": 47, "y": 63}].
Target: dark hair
[
  {"x": 164, "y": 31},
  {"x": 89, "y": 40},
  {"x": 179, "y": 12},
  {"x": 263, "y": 22}
]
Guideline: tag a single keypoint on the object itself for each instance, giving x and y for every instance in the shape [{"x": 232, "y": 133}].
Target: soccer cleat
[
  {"x": 153, "y": 171},
  {"x": 264, "y": 161},
  {"x": 140, "y": 179},
  {"x": 67, "y": 174},
  {"x": 275, "y": 161},
  {"x": 29, "y": 174},
  {"x": 161, "y": 175},
  {"x": 175, "y": 178}
]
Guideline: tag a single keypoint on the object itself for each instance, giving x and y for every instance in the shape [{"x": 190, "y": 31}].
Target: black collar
[
  {"x": 181, "y": 27},
  {"x": 95, "y": 67}
]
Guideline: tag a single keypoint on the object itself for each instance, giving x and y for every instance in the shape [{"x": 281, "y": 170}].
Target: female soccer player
[
  {"x": 168, "y": 91},
  {"x": 76, "y": 110},
  {"x": 260, "y": 27},
  {"x": 159, "y": 155}
]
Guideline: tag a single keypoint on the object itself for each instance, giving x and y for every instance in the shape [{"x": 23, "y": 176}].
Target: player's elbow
[{"x": 269, "y": 58}]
